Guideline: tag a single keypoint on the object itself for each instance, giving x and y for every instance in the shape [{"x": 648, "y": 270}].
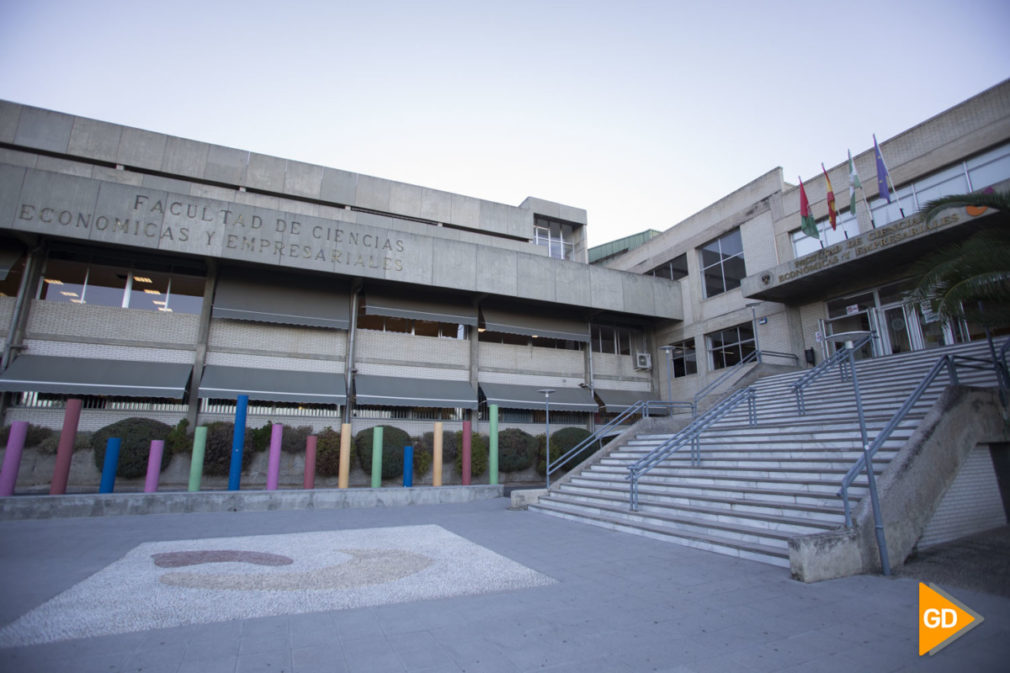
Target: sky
[{"x": 640, "y": 112}]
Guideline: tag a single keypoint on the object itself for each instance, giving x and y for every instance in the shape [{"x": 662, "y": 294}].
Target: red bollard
[{"x": 65, "y": 449}]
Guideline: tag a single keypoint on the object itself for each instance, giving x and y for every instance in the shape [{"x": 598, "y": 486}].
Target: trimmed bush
[
  {"x": 393, "y": 441},
  {"x": 423, "y": 457},
  {"x": 135, "y": 435},
  {"x": 478, "y": 455},
  {"x": 516, "y": 450},
  {"x": 293, "y": 439},
  {"x": 328, "y": 453},
  {"x": 424, "y": 449},
  {"x": 51, "y": 444},
  {"x": 35, "y": 435},
  {"x": 258, "y": 438},
  {"x": 217, "y": 454},
  {"x": 561, "y": 442}
]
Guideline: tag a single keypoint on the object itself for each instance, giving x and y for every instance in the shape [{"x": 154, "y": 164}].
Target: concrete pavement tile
[
  {"x": 222, "y": 664},
  {"x": 274, "y": 661},
  {"x": 317, "y": 660},
  {"x": 419, "y": 650}
]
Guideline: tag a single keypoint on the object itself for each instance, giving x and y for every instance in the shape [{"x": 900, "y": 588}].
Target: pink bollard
[
  {"x": 467, "y": 431},
  {"x": 310, "y": 462},
  {"x": 274, "y": 466},
  {"x": 154, "y": 465},
  {"x": 12, "y": 457},
  {"x": 65, "y": 449}
]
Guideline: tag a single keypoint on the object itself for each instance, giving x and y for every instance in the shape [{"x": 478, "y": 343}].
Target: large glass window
[
  {"x": 729, "y": 346},
  {"x": 615, "y": 340},
  {"x": 126, "y": 285},
  {"x": 675, "y": 269},
  {"x": 684, "y": 358},
  {"x": 427, "y": 328},
  {"x": 722, "y": 263},
  {"x": 846, "y": 226},
  {"x": 557, "y": 236}
]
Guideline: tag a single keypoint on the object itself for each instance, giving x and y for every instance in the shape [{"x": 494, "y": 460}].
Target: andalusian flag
[
  {"x": 854, "y": 184},
  {"x": 832, "y": 213},
  {"x": 807, "y": 224}
]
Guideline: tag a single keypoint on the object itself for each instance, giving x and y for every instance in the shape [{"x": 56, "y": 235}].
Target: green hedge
[
  {"x": 35, "y": 435},
  {"x": 478, "y": 455},
  {"x": 217, "y": 454},
  {"x": 517, "y": 449},
  {"x": 328, "y": 453},
  {"x": 135, "y": 445},
  {"x": 424, "y": 450},
  {"x": 561, "y": 441},
  {"x": 393, "y": 441}
]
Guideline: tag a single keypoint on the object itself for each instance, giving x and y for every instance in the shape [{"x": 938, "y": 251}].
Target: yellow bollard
[
  {"x": 345, "y": 456},
  {"x": 436, "y": 459}
]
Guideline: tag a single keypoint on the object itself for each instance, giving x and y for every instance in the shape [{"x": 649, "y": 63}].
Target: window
[
  {"x": 675, "y": 269},
  {"x": 684, "y": 358},
  {"x": 426, "y": 328},
  {"x": 729, "y": 346},
  {"x": 614, "y": 340},
  {"x": 488, "y": 336},
  {"x": 846, "y": 226},
  {"x": 557, "y": 236},
  {"x": 126, "y": 285},
  {"x": 722, "y": 263}
]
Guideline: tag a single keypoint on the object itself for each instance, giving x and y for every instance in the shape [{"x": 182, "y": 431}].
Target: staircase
[{"x": 759, "y": 485}]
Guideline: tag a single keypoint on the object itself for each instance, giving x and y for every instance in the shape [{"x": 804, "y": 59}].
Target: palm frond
[{"x": 996, "y": 200}]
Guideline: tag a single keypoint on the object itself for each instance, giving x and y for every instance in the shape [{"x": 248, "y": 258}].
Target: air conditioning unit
[{"x": 643, "y": 361}]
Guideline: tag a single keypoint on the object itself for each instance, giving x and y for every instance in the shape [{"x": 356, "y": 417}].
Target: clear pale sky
[{"x": 640, "y": 112}]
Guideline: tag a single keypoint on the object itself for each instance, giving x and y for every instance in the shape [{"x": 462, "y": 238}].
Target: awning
[
  {"x": 458, "y": 312},
  {"x": 619, "y": 400},
  {"x": 83, "y": 376},
  {"x": 273, "y": 385},
  {"x": 535, "y": 324},
  {"x": 276, "y": 297},
  {"x": 529, "y": 397},
  {"x": 398, "y": 392}
]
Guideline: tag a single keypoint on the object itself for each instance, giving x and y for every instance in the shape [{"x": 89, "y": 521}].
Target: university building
[{"x": 160, "y": 276}]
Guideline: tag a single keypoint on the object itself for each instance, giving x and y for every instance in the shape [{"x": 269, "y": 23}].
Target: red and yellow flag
[{"x": 832, "y": 213}]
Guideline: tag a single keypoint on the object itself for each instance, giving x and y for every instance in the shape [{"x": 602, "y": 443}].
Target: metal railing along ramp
[{"x": 745, "y": 488}]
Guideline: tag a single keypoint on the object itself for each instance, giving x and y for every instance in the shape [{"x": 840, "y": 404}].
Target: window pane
[
  {"x": 186, "y": 294},
  {"x": 731, "y": 243},
  {"x": 106, "y": 286},
  {"x": 734, "y": 272},
  {"x": 710, "y": 258},
  {"x": 679, "y": 266},
  {"x": 64, "y": 281},
  {"x": 713, "y": 282},
  {"x": 150, "y": 291}
]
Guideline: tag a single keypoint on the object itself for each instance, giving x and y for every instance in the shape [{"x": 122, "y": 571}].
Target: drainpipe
[
  {"x": 202, "y": 340},
  {"x": 349, "y": 359},
  {"x": 19, "y": 317}
]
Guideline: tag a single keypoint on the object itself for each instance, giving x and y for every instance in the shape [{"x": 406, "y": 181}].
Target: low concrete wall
[
  {"x": 110, "y": 504},
  {"x": 910, "y": 489}
]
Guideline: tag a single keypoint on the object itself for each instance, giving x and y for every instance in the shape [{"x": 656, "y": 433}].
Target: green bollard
[
  {"x": 377, "y": 456},
  {"x": 196, "y": 464},
  {"x": 492, "y": 448}
]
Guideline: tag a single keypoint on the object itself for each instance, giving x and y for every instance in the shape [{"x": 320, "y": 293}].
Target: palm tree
[{"x": 971, "y": 279}]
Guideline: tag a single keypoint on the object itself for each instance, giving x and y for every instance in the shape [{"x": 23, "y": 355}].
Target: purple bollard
[
  {"x": 65, "y": 449},
  {"x": 154, "y": 465},
  {"x": 274, "y": 466},
  {"x": 12, "y": 457},
  {"x": 310, "y": 462}
]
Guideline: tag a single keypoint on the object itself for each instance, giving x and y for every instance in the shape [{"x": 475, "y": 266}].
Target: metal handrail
[
  {"x": 792, "y": 356},
  {"x": 643, "y": 407},
  {"x": 690, "y": 434},
  {"x": 701, "y": 394},
  {"x": 839, "y": 358}
]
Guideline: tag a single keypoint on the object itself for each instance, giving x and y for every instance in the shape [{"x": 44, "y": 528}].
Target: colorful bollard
[
  {"x": 344, "y": 475},
  {"x": 310, "y": 462},
  {"x": 154, "y": 465},
  {"x": 237, "y": 442},
  {"x": 436, "y": 457},
  {"x": 408, "y": 466},
  {"x": 65, "y": 448},
  {"x": 274, "y": 462},
  {"x": 196, "y": 464},
  {"x": 377, "y": 456},
  {"x": 492, "y": 449},
  {"x": 12, "y": 457},
  {"x": 110, "y": 465},
  {"x": 467, "y": 449}
]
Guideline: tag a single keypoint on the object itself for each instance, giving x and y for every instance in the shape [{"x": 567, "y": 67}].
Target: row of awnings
[
  {"x": 301, "y": 300},
  {"x": 118, "y": 378}
]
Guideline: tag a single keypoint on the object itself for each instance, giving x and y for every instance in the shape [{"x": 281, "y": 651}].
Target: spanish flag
[{"x": 832, "y": 213}]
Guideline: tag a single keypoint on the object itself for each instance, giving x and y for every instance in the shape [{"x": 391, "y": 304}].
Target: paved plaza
[{"x": 439, "y": 588}]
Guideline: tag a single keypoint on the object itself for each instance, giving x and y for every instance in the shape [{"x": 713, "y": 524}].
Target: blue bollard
[
  {"x": 237, "y": 441},
  {"x": 110, "y": 465},
  {"x": 408, "y": 466}
]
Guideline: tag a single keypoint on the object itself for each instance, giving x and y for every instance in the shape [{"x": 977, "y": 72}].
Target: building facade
[
  {"x": 158, "y": 276},
  {"x": 752, "y": 281}
]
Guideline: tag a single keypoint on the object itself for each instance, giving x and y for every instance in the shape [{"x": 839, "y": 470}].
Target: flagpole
[{"x": 888, "y": 173}]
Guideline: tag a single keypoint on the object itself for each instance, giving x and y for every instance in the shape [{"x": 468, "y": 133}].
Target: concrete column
[{"x": 65, "y": 448}]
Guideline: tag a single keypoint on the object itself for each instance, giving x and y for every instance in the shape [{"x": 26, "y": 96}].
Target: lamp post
[
  {"x": 754, "y": 324},
  {"x": 668, "y": 349},
  {"x": 547, "y": 408}
]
